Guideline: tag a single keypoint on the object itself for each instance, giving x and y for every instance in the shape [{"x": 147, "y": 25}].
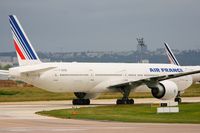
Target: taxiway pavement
[{"x": 20, "y": 117}]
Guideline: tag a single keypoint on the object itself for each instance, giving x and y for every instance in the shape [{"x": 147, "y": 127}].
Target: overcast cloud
[{"x": 102, "y": 25}]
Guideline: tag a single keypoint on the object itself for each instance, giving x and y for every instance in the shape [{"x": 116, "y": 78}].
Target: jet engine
[{"x": 164, "y": 90}]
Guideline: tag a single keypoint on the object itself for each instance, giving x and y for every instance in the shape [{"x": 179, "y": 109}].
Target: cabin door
[
  {"x": 125, "y": 75},
  {"x": 91, "y": 75},
  {"x": 56, "y": 75}
]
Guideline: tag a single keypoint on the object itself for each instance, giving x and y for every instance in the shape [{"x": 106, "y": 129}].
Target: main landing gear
[
  {"x": 80, "y": 99},
  {"x": 125, "y": 99},
  {"x": 178, "y": 98}
]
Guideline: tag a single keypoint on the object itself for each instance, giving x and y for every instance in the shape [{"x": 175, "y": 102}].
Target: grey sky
[{"x": 102, "y": 25}]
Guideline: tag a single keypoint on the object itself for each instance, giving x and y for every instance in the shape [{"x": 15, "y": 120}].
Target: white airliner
[{"x": 88, "y": 80}]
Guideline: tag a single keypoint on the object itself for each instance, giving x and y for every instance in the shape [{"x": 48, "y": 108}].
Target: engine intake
[{"x": 165, "y": 90}]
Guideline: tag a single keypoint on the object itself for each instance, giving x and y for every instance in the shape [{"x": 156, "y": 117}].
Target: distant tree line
[{"x": 187, "y": 57}]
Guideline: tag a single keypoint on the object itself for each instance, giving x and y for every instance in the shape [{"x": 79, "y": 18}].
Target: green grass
[
  {"x": 10, "y": 94},
  {"x": 193, "y": 91},
  {"x": 14, "y": 94},
  {"x": 189, "y": 113}
]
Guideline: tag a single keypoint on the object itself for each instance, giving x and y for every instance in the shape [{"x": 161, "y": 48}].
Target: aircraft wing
[
  {"x": 151, "y": 80},
  {"x": 4, "y": 74}
]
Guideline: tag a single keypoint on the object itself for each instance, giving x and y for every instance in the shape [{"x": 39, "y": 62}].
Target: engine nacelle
[
  {"x": 165, "y": 90},
  {"x": 83, "y": 95}
]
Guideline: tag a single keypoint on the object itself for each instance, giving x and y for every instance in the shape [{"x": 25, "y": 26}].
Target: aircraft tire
[
  {"x": 122, "y": 101},
  {"x": 81, "y": 102},
  {"x": 178, "y": 99},
  {"x": 131, "y": 101}
]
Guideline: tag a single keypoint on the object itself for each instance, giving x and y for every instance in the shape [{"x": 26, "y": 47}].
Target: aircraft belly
[{"x": 64, "y": 85}]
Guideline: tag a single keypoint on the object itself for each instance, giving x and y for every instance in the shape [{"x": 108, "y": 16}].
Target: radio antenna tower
[{"x": 141, "y": 47}]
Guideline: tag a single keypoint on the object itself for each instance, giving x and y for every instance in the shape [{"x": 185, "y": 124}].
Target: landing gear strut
[
  {"x": 80, "y": 99},
  {"x": 125, "y": 99},
  {"x": 178, "y": 98}
]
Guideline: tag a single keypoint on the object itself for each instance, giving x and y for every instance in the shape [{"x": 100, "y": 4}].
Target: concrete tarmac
[{"x": 20, "y": 117}]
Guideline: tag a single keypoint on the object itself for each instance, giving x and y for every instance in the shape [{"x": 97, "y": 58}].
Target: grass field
[
  {"x": 9, "y": 94},
  {"x": 189, "y": 113}
]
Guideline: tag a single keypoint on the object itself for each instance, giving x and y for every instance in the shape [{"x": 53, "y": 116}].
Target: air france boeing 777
[{"x": 88, "y": 80}]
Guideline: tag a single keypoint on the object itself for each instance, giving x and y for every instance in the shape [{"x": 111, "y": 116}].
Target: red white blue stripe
[
  {"x": 21, "y": 42},
  {"x": 171, "y": 56}
]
